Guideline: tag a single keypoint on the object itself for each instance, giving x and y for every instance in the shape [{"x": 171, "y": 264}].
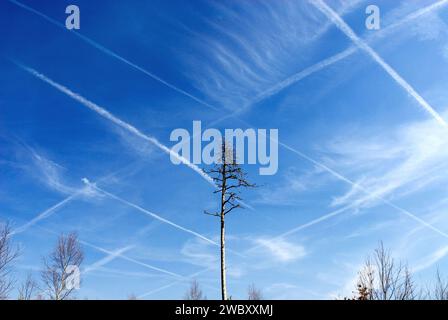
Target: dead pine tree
[{"x": 229, "y": 179}]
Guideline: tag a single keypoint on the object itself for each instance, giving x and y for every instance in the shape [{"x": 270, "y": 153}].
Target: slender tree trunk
[
  {"x": 223, "y": 235},
  {"x": 229, "y": 178},
  {"x": 223, "y": 261}
]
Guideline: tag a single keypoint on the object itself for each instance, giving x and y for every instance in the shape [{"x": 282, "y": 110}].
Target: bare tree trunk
[
  {"x": 223, "y": 236},
  {"x": 229, "y": 179},
  {"x": 223, "y": 261}
]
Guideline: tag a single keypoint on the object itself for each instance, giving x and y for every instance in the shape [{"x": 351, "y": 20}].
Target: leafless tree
[
  {"x": 132, "y": 296},
  {"x": 57, "y": 267},
  {"x": 254, "y": 293},
  {"x": 229, "y": 179},
  {"x": 27, "y": 289},
  {"x": 194, "y": 292},
  {"x": 8, "y": 253},
  {"x": 440, "y": 291},
  {"x": 382, "y": 278}
]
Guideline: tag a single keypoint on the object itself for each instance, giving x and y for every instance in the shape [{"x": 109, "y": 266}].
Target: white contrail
[
  {"x": 345, "y": 28},
  {"x": 359, "y": 187},
  {"x": 353, "y": 184},
  {"x": 191, "y": 276},
  {"x": 354, "y": 205},
  {"x": 45, "y": 214},
  {"x": 351, "y": 206},
  {"x": 109, "y": 116},
  {"x": 120, "y": 255},
  {"x": 53, "y": 209},
  {"x": 296, "y": 78},
  {"x": 337, "y": 57},
  {"x": 114, "y": 254},
  {"x": 149, "y": 213},
  {"x": 417, "y": 14},
  {"x": 113, "y": 54}
]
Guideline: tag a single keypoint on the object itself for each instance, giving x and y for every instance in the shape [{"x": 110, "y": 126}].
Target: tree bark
[
  {"x": 223, "y": 236},
  {"x": 223, "y": 261}
]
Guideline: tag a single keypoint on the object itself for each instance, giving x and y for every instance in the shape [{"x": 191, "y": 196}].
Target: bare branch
[
  {"x": 28, "y": 288},
  {"x": 67, "y": 253},
  {"x": 8, "y": 254},
  {"x": 384, "y": 279},
  {"x": 254, "y": 293},
  {"x": 194, "y": 292},
  {"x": 440, "y": 291}
]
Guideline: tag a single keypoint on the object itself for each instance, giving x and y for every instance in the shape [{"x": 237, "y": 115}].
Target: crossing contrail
[
  {"x": 112, "y": 256},
  {"x": 53, "y": 209},
  {"x": 345, "y": 28},
  {"x": 109, "y": 116},
  {"x": 337, "y": 57}
]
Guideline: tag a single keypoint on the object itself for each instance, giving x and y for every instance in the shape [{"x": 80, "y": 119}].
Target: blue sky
[{"x": 363, "y": 154}]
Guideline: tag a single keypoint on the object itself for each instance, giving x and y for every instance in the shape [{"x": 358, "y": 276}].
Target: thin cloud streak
[
  {"x": 345, "y": 28},
  {"x": 122, "y": 256},
  {"x": 361, "y": 188},
  {"x": 53, "y": 209},
  {"x": 297, "y": 77},
  {"x": 149, "y": 213},
  {"x": 190, "y": 277},
  {"x": 45, "y": 214},
  {"x": 109, "y": 116},
  {"x": 432, "y": 259}
]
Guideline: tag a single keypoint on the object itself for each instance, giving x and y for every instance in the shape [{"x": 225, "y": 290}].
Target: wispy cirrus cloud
[
  {"x": 279, "y": 249},
  {"x": 293, "y": 183},
  {"x": 257, "y": 46},
  {"x": 397, "y": 163},
  {"x": 431, "y": 259}
]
